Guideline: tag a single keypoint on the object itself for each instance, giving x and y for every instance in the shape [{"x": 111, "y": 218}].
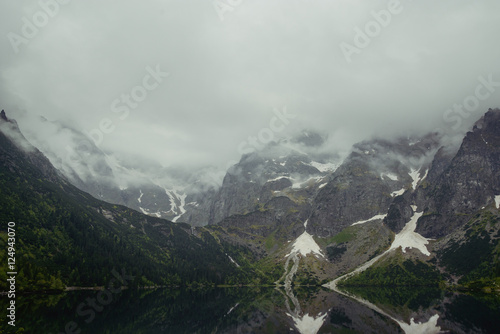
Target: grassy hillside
[
  {"x": 66, "y": 237},
  {"x": 393, "y": 270}
]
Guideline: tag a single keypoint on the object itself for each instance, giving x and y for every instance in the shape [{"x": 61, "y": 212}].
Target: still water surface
[{"x": 258, "y": 310}]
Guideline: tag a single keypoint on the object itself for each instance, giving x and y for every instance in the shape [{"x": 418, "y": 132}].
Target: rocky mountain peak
[
  {"x": 14, "y": 147},
  {"x": 309, "y": 138},
  {"x": 466, "y": 184},
  {"x": 489, "y": 121}
]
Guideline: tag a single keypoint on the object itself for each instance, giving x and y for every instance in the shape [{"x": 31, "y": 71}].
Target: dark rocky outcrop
[
  {"x": 365, "y": 184},
  {"x": 469, "y": 182}
]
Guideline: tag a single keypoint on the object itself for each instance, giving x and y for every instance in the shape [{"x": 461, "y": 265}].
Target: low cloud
[{"x": 226, "y": 78}]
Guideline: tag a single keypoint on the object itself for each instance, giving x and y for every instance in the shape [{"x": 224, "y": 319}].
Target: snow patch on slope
[
  {"x": 173, "y": 205},
  {"x": 231, "y": 259},
  {"x": 174, "y": 196},
  {"x": 391, "y": 176},
  {"x": 301, "y": 184},
  {"x": 415, "y": 175},
  {"x": 408, "y": 238},
  {"x": 232, "y": 308},
  {"x": 497, "y": 201},
  {"x": 398, "y": 192},
  {"x": 182, "y": 209},
  {"x": 425, "y": 175},
  {"x": 368, "y": 220},
  {"x": 411, "y": 143},
  {"x": 305, "y": 244},
  {"x": 324, "y": 167},
  {"x": 139, "y": 199},
  {"x": 278, "y": 178}
]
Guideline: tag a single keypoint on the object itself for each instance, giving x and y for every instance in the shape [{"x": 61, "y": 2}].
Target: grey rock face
[
  {"x": 469, "y": 182},
  {"x": 16, "y": 147},
  {"x": 261, "y": 176},
  {"x": 355, "y": 193},
  {"x": 367, "y": 182}
]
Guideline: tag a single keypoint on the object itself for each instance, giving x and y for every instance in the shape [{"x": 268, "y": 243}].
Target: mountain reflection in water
[{"x": 263, "y": 310}]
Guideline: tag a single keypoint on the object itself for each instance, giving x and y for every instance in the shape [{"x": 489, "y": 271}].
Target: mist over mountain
[
  {"x": 297, "y": 166},
  {"x": 336, "y": 144},
  {"x": 393, "y": 212},
  {"x": 223, "y": 83}
]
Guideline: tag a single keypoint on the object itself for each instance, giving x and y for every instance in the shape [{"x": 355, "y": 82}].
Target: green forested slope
[{"x": 66, "y": 237}]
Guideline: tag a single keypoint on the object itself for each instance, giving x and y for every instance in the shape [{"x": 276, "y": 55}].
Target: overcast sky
[{"x": 231, "y": 64}]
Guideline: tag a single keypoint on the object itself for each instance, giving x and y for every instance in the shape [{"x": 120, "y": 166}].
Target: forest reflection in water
[{"x": 260, "y": 310}]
